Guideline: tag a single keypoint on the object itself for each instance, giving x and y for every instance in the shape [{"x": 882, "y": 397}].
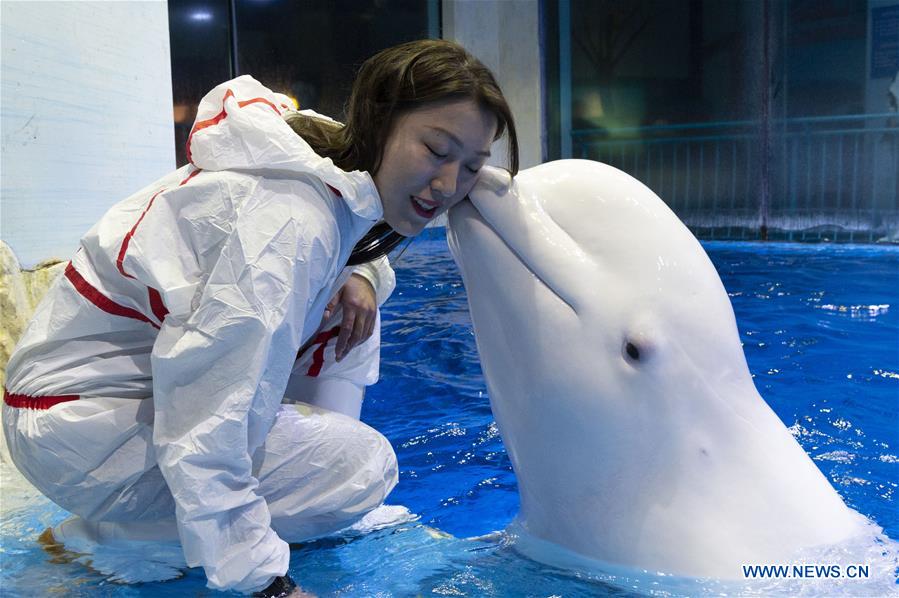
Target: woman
[{"x": 146, "y": 394}]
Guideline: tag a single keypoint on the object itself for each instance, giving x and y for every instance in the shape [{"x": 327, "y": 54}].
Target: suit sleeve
[
  {"x": 218, "y": 379},
  {"x": 381, "y": 276}
]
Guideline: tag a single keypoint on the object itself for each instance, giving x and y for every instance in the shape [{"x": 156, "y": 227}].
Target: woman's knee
[{"x": 320, "y": 471}]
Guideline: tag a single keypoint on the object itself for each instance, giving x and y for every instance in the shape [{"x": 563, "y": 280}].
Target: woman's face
[{"x": 431, "y": 161}]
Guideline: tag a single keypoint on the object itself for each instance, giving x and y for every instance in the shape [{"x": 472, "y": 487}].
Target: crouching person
[{"x": 147, "y": 395}]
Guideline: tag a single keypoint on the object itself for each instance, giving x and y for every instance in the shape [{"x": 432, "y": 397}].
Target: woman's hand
[{"x": 360, "y": 308}]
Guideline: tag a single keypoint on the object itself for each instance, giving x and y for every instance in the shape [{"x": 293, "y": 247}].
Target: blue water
[{"x": 820, "y": 327}]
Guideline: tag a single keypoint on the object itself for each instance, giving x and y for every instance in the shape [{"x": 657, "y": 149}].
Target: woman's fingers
[
  {"x": 346, "y": 332},
  {"x": 332, "y": 305},
  {"x": 354, "y": 330},
  {"x": 370, "y": 329},
  {"x": 360, "y": 308}
]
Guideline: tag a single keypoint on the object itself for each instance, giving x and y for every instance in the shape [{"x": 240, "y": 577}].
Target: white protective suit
[{"x": 148, "y": 388}]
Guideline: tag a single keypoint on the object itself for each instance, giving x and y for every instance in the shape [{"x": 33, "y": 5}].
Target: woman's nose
[{"x": 445, "y": 181}]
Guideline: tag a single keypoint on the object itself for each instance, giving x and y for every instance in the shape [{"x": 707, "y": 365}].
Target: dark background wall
[{"x": 306, "y": 49}]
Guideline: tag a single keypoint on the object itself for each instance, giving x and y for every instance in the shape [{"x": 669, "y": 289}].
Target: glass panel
[
  {"x": 307, "y": 49},
  {"x": 750, "y": 118},
  {"x": 310, "y": 50},
  {"x": 836, "y": 153},
  {"x": 668, "y": 92},
  {"x": 197, "y": 66}
]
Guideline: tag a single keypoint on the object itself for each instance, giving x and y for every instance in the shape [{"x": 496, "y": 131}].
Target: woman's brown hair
[{"x": 390, "y": 83}]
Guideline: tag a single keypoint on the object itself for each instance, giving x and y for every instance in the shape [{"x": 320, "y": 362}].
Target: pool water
[{"x": 820, "y": 328}]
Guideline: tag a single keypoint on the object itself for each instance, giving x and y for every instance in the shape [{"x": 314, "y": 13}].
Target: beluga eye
[
  {"x": 639, "y": 347},
  {"x": 631, "y": 351}
]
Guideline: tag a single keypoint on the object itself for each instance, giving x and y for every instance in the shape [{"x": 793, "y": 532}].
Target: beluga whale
[{"x": 619, "y": 385}]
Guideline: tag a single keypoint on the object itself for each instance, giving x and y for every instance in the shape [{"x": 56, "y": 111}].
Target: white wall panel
[{"x": 86, "y": 102}]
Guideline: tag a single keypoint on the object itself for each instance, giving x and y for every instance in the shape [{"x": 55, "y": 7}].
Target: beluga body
[{"x": 619, "y": 384}]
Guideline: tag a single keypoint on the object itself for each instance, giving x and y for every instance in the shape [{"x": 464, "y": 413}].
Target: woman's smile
[{"x": 426, "y": 208}]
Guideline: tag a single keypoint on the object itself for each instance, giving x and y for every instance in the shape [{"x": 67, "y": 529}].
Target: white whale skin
[{"x": 668, "y": 462}]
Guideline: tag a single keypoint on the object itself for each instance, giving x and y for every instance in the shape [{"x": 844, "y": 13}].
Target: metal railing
[{"x": 816, "y": 178}]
